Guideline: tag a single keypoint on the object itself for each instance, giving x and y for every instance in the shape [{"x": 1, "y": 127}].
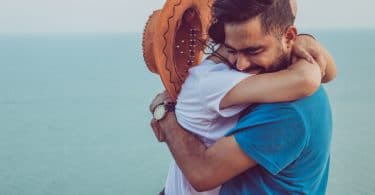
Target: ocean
[{"x": 74, "y": 116}]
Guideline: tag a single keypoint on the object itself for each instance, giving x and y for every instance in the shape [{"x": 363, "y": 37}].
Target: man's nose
[{"x": 242, "y": 63}]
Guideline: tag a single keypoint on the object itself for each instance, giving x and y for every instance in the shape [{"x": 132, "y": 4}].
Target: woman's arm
[
  {"x": 306, "y": 46},
  {"x": 331, "y": 71},
  {"x": 301, "y": 79}
]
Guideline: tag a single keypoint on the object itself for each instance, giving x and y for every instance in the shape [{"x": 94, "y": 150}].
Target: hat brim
[{"x": 173, "y": 40}]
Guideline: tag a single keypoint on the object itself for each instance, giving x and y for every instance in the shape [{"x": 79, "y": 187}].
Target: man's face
[{"x": 253, "y": 51}]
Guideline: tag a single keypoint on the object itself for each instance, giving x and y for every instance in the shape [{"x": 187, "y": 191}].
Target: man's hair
[{"x": 275, "y": 16}]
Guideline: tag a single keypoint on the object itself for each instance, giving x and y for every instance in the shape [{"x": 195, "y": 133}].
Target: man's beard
[{"x": 281, "y": 63}]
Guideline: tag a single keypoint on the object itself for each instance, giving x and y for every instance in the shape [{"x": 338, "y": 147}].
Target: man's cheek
[{"x": 264, "y": 60}]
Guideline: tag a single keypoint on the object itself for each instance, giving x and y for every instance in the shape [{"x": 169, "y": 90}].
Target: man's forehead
[
  {"x": 243, "y": 35},
  {"x": 248, "y": 42}
]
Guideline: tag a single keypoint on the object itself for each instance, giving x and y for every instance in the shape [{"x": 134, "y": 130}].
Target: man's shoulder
[
  {"x": 299, "y": 112},
  {"x": 274, "y": 108},
  {"x": 281, "y": 114}
]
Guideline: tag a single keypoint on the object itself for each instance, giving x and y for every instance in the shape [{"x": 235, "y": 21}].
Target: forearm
[
  {"x": 205, "y": 168},
  {"x": 300, "y": 80},
  {"x": 330, "y": 72},
  {"x": 189, "y": 153}
]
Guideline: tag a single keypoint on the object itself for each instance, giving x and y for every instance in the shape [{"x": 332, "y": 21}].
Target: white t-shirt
[{"x": 198, "y": 111}]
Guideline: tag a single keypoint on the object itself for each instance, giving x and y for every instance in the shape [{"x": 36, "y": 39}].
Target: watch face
[{"x": 159, "y": 112}]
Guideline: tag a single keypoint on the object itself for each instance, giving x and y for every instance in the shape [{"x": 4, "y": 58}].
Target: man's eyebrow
[
  {"x": 251, "y": 49},
  {"x": 248, "y": 49},
  {"x": 229, "y": 47}
]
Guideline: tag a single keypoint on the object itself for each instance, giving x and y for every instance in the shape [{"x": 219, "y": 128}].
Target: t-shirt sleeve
[
  {"x": 274, "y": 135},
  {"x": 216, "y": 85}
]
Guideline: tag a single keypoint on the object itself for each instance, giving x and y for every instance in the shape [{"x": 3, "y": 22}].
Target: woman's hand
[{"x": 308, "y": 48}]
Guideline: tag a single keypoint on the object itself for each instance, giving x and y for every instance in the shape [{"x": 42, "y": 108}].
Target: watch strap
[{"x": 170, "y": 106}]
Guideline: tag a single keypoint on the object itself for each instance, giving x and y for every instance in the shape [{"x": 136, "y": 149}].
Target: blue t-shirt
[{"x": 290, "y": 142}]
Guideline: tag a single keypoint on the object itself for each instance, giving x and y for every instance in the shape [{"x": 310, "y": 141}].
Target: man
[{"x": 278, "y": 148}]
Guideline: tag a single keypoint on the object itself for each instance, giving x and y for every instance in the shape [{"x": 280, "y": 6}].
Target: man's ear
[{"x": 290, "y": 35}]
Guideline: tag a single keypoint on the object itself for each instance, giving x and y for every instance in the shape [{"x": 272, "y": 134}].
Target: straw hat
[{"x": 172, "y": 40}]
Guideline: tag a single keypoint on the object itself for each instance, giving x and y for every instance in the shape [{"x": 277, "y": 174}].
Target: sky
[{"x": 117, "y": 16}]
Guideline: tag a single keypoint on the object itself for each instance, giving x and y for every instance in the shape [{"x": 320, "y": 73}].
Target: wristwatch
[{"x": 161, "y": 110}]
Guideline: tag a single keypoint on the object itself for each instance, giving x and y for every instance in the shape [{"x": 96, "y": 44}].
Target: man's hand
[
  {"x": 162, "y": 97},
  {"x": 308, "y": 48},
  {"x": 168, "y": 122}
]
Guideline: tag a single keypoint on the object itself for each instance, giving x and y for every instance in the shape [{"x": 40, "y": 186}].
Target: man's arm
[
  {"x": 205, "y": 168},
  {"x": 250, "y": 145}
]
